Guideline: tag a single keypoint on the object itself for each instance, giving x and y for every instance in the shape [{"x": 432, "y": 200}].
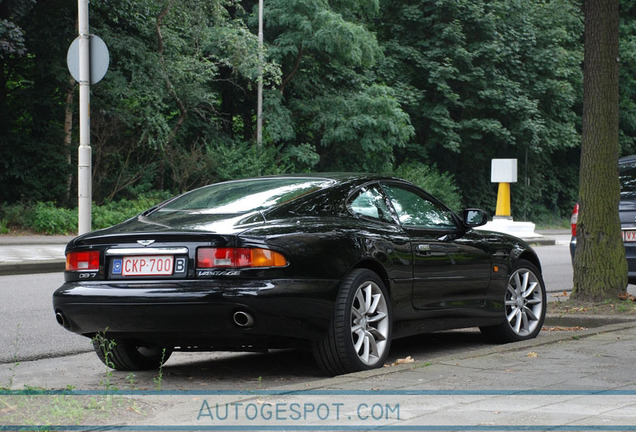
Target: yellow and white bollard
[
  {"x": 503, "y": 200},
  {"x": 504, "y": 172}
]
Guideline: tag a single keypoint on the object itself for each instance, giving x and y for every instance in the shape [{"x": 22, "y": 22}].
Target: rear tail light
[
  {"x": 239, "y": 257},
  {"x": 575, "y": 219},
  {"x": 82, "y": 261}
]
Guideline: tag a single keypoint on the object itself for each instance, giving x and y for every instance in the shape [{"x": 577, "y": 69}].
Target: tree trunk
[{"x": 600, "y": 268}]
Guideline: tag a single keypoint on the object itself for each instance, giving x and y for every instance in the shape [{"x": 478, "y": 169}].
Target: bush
[
  {"x": 16, "y": 215},
  {"x": 4, "y": 229},
  {"x": 46, "y": 218},
  {"x": 52, "y": 220},
  {"x": 242, "y": 160},
  {"x": 441, "y": 185},
  {"x": 118, "y": 211}
]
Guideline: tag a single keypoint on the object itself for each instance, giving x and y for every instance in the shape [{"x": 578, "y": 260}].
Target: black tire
[
  {"x": 359, "y": 336},
  {"x": 126, "y": 355},
  {"x": 524, "y": 306}
]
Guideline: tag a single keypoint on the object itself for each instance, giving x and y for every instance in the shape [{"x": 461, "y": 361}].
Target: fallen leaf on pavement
[
  {"x": 627, "y": 296},
  {"x": 406, "y": 360},
  {"x": 133, "y": 409}
]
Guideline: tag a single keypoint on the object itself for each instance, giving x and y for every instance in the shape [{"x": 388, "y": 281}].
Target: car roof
[
  {"x": 339, "y": 177},
  {"x": 627, "y": 159},
  {"x": 329, "y": 175}
]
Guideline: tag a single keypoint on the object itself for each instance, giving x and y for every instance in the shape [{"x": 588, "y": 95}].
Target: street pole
[
  {"x": 84, "y": 180},
  {"x": 259, "y": 109}
]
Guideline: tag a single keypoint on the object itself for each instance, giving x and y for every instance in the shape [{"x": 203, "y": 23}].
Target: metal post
[
  {"x": 84, "y": 153},
  {"x": 259, "y": 109}
]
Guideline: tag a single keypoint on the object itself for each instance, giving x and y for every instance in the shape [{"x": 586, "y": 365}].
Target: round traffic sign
[{"x": 99, "y": 59}]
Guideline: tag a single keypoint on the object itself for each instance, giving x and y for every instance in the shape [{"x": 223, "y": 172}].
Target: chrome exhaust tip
[
  {"x": 243, "y": 319},
  {"x": 61, "y": 320}
]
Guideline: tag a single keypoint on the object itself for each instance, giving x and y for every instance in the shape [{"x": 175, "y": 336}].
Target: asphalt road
[
  {"x": 29, "y": 330},
  {"x": 557, "y": 267}
]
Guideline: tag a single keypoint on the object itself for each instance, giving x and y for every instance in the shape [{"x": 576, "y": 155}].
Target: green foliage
[
  {"x": 313, "y": 26},
  {"x": 353, "y": 85},
  {"x": 11, "y": 34},
  {"x": 487, "y": 79},
  {"x": 301, "y": 158},
  {"x": 33, "y": 81},
  {"x": 51, "y": 220},
  {"x": 4, "y": 226},
  {"x": 440, "y": 185},
  {"x": 361, "y": 128},
  {"x": 106, "y": 345},
  {"x": 113, "y": 213},
  {"x": 46, "y": 218},
  {"x": 16, "y": 214},
  {"x": 627, "y": 72},
  {"x": 243, "y": 160}
]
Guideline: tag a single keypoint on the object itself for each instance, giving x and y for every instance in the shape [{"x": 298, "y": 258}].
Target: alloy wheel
[
  {"x": 524, "y": 302},
  {"x": 369, "y": 323}
]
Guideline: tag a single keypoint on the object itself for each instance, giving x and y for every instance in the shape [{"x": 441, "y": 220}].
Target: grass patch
[
  {"x": 69, "y": 409},
  {"x": 623, "y": 305}
]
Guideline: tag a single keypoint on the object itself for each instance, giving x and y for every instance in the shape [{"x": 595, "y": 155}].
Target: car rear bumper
[
  {"x": 630, "y": 255},
  {"x": 202, "y": 315}
]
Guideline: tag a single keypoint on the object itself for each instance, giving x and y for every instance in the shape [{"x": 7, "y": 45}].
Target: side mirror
[{"x": 475, "y": 217}]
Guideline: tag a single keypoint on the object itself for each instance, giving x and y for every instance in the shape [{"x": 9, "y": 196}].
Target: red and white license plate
[
  {"x": 160, "y": 265},
  {"x": 629, "y": 236}
]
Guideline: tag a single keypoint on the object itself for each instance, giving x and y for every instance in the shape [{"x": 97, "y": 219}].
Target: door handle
[
  {"x": 424, "y": 248},
  {"x": 428, "y": 250}
]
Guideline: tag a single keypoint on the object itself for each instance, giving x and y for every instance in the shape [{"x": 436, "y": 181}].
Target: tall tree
[
  {"x": 600, "y": 268},
  {"x": 33, "y": 82},
  {"x": 485, "y": 79},
  {"x": 330, "y": 112},
  {"x": 627, "y": 77}
]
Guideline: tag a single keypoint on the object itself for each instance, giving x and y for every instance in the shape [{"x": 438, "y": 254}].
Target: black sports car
[{"x": 339, "y": 264}]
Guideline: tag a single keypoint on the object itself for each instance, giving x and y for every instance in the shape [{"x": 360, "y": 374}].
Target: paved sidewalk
[
  {"x": 564, "y": 380},
  {"x": 32, "y": 254}
]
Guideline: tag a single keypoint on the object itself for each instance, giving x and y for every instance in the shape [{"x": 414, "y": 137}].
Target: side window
[
  {"x": 369, "y": 202},
  {"x": 416, "y": 211}
]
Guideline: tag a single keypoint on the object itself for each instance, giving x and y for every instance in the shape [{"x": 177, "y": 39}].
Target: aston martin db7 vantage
[{"x": 339, "y": 264}]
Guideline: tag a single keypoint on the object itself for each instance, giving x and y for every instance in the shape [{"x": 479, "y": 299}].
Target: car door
[
  {"x": 370, "y": 204},
  {"x": 451, "y": 265}
]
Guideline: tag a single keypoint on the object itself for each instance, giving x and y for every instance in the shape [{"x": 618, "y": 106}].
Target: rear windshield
[
  {"x": 627, "y": 173},
  {"x": 244, "y": 196}
]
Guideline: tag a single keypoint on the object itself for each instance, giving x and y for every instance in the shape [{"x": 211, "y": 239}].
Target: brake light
[
  {"x": 575, "y": 219},
  {"x": 239, "y": 257},
  {"x": 82, "y": 261}
]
